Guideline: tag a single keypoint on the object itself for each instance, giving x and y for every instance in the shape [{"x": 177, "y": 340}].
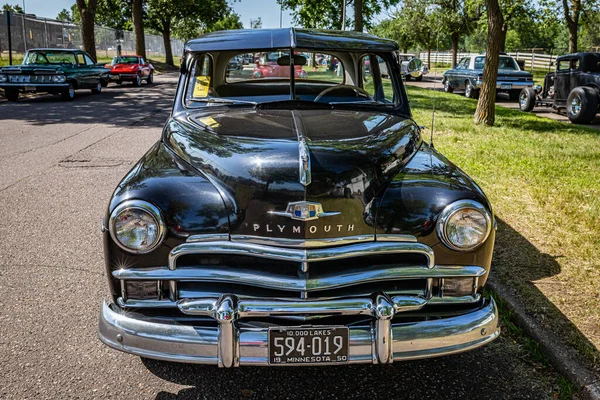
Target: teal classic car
[{"x": 60, "y": 71}]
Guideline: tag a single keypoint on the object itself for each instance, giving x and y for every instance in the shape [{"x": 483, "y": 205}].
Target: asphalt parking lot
[
  {"x": 434, "y": 81},
  {"x": 60, "y": 162}
]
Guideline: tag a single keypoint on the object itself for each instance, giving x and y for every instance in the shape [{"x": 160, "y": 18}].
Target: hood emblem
[{"x": 304, "y": 211}]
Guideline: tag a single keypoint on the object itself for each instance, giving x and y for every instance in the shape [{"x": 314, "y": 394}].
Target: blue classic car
[{"x": 467, "y": 76}]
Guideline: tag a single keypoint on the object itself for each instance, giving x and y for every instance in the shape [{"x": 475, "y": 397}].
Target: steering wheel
[{"x": 337, "y": 87}]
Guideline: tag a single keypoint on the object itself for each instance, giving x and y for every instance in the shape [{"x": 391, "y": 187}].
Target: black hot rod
[
  {"x": 574, "y": 86},
  {"x": 298, "y": 218}
]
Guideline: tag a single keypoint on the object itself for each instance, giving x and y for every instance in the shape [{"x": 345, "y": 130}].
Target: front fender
[
  {"x": 189, "y": 204},
  {"x": 416, "y": 196}
]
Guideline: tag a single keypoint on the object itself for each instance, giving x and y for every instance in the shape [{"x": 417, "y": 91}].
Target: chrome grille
[{"x": 209, "y": 270}]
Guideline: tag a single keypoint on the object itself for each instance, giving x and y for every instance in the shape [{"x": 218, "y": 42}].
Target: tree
[
  {"x": 322, "y": 14},
  {"x": 486, "y": 106},
  {"x": 163, "y": 15},
  {"x": 460, "y": 17},
  {"x": 256, "y": 23},
  {"x": 137, "y": 15},
  {"x": 87, "y": 13},
  {"x": 65, "y": 16},
  {"x": 230, "y": 21},
  {"x": 16, "y": 8},
  {"x": 572, "y": 14}
]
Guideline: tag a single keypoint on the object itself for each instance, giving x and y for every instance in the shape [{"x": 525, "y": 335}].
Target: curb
[{"x": 562, "y": 357}]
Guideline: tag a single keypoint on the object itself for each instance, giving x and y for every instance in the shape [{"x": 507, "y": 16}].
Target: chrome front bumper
[
  {"x": 514, "y": 85},
  {"x": 230, "y": 345}
]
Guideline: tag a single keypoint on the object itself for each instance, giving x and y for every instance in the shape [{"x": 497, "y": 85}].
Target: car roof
[
  {"x": 580, "y": 54},
  {"x": 309, "y": 39},
  {"x": 55, "y": 49}
]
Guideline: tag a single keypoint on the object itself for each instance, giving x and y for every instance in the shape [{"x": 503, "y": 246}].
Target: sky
[{"x": 268, "y": 10}]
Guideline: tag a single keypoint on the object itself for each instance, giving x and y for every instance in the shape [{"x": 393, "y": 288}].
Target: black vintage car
[
  {"x": 467, "y": 76},
  {"x": 573, "y": 86},
  {"x": 296, "y": 220}
]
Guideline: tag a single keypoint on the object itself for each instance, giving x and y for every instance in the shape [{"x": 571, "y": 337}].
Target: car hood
[
  {"x": 30, "y": 68},
  {"x": 255, "y": 159}
]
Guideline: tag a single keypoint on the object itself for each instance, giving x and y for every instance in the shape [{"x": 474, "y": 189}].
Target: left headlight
[
  {"x": 2, "y": 78},
  {"x": 464, "y": 225},
  {"x": 59, "y": 78},
  {"x": 137, "y": 226}
]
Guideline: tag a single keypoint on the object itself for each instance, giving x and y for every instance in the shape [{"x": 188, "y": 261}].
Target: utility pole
[
  {"x": 280, "y": 15},
  {"x": 343, "y": 15}
]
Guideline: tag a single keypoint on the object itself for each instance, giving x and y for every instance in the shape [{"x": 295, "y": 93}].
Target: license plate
[
  {"x": 19, "y": 78},
  {"x": 506, "y": 86},
  {"x": 29, "y": 88},
  {"x": 324, "y": 345},
  {"x": 115, "y": 77}
]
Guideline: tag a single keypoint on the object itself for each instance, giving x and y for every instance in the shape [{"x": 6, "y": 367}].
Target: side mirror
[{"x": 415, "y": 67}]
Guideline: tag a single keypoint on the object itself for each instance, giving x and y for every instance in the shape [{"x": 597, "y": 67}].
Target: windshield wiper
[{"x": 222, "y": 101}]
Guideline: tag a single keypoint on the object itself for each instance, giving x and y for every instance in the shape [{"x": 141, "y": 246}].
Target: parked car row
[{"x": 62, "y": 71}]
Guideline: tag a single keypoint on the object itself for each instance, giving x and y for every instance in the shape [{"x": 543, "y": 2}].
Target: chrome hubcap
[
  {"x": 71, "y": 91},
  {"x": 576, "y": 105},
  {"x": 468, "y": 91},
  {"x": 523, "y": 100}
]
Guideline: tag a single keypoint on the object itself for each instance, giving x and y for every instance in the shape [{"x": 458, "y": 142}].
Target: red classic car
[
  {"x": 270, "y": 65},
  {"x": 131, "y": 68}
]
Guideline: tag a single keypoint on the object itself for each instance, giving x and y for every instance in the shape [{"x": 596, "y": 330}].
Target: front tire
[
  {"x": 582, "y": 105},
  {"x": 11, "y": 94},
  {"x": 150, "y": 78},
  {"x": 419, "y": 78},
  {"x": 69, "y": 93},
  {"x": 527, "y": 99},
  {"x": 447, "y": 87},
  {"x": 470, "y": 91},
  {"x": 98, "y": 88},
  {"x": 137, "y": 82}
]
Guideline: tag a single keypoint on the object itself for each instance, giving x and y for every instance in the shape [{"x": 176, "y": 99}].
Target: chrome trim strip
[
  {"x": 34, "y": 84},
  {"x": 300, "y": 255},
  {"x": 257, "y": 307},
  {"x": 384, "y": 237},
  {"x": 305, "y": 243},
  {"x": 134, "y": 334},
  {"x": 213, "y": 237},
  {"x": 293, "y": 283}
]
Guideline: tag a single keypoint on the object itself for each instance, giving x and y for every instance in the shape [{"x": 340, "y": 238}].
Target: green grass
[{"x": 543, "y": 180}]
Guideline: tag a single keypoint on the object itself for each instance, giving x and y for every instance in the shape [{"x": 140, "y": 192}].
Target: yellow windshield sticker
[
  {"x": 201, "y": 86},
  {"x": 209, "y": 121}
]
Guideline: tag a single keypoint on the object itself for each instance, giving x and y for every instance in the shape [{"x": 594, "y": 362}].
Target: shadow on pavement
[{"x": 116, "y": 105}]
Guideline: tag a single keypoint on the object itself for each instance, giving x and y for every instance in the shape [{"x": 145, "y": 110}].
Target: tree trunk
[
  {"x": 358, "y": 15},
  {"x": 167, "y": 41},
  {"x": 138, "y": 27},
  {"x": 87, "y": 14},
  {"x": 572, "y": 36},
  {"x": 429, "y": 55},
  {"x": 572, "y": 19},
  {"x": 503, "y": 33},
  {"x": 486, "y": 106},
  {"x": 454, "y": 38}
]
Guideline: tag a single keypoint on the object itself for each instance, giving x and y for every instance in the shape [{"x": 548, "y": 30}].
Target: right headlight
[
  {"x": 464, "y": 225},
  {"x": 2, "y": 78},
  {"x": 59, "y": 78},
  {"x": 137, "y": 226}
]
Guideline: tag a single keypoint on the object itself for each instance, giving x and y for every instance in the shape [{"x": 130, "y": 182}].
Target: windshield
[
  {"x": 49, "y": 57},
  {"x": 503, "y": 63},
  {"x": 331, "y": 78},
  {"x": 125, "y": 60}
]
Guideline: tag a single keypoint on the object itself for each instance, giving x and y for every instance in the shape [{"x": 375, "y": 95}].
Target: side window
[
  {"x": 379, "y": 88},
  {"x": 462, "y": 64},
  {"x": 80, "y": 59},
  {"x": 575, "y": 64},
  {"x": 88, "y": 60},
  {"x": 479, "y": 62},
  {"x": 200, "y": 83},
  {"x": 563, "y": 65}
]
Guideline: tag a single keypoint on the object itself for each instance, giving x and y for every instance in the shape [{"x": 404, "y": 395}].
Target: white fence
[
  {"x": 537, "y": 60},
  {"x": 29, "y": 32}
]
